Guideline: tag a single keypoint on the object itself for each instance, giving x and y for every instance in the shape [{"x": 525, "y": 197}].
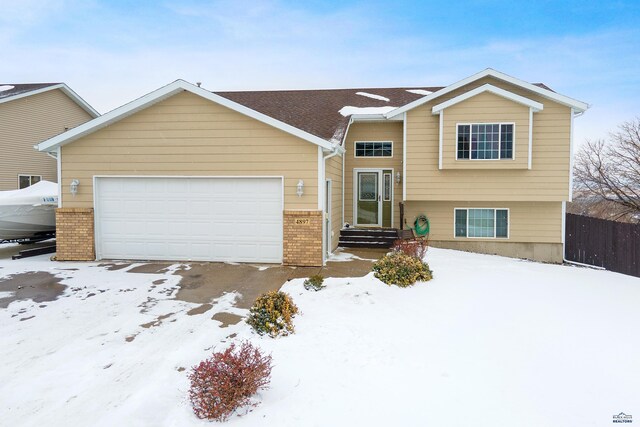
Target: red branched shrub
[
  {"x": 227, "y": 380},
  {"x": 416, "y": 248}
]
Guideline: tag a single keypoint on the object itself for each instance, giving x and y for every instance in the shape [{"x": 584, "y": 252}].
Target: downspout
[
  {"x": 56, "y": 156},
  {"x": 334, "y": 152},
  {"x": 343, "y": 144}
]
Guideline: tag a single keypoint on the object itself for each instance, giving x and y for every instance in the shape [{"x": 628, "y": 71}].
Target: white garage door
[{"x": 198, "y": 219}]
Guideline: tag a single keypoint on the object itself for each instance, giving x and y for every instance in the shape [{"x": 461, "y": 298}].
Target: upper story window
[
  {"x": 374, "y": 149},
  {"x": 485, "y": 141}
]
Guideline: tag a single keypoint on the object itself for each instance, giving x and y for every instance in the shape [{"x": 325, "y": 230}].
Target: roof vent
[{"x": 198, "y": 84}]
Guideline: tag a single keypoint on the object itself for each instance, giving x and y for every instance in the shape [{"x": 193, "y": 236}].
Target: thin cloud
[{"x": 231, "y": 45}]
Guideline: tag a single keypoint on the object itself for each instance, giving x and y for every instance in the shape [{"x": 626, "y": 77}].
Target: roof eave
[
  {"x": 536, "y": 106},
  {"x": 161, "y": 94},
  {"x": 65, "y": 89},
  {"x": 490, "y": 72}
]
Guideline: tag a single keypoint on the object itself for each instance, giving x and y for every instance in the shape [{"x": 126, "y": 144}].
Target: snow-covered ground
[{"x": 490, "y": 341}]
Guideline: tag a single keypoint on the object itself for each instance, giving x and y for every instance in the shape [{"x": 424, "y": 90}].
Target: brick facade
[
  {"x": 75, "y": 239},
  {"x": 302, "y": 245}
]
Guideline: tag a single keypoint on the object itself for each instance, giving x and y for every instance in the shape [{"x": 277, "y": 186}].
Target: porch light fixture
[
  {"x": 398, "y": 178},
  {"x": 300, "y": 188},
  {"x": 73, "y": 187}
]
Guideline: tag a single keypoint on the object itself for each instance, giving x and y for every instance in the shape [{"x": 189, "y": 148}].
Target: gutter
[{"x": 336, "y": 150}]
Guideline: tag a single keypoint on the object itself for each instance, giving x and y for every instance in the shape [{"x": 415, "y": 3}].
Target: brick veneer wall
[
  {"x": 75, "y": 239},
  {"x": 302, "y": 238}
]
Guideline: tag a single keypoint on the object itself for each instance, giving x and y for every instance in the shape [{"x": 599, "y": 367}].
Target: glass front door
[{"x": 374, "y": 197}]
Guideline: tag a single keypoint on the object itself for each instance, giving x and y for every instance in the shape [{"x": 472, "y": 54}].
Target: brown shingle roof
[
  {"x": 318, "y": 111},
  {"x": 20, "y": 88}
]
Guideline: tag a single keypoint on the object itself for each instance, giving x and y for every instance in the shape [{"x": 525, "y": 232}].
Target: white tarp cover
[{"x": 40, "y": 193}]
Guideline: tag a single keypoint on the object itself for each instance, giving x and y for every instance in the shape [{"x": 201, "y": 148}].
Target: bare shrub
[
  {"x": 227, "y": 380},
  {"x": 416, "y": 247}
]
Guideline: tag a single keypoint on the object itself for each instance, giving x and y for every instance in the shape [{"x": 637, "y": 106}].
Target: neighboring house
[
  {"x": 186, "y": 174},
  {"x": 30, "y": 113}
]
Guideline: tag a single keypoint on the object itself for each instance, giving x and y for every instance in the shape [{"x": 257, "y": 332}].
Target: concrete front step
[
  {"x": 369, "y": 231},
  {"x": 367, "y": 237},
  {"x": 369, "y": 245}
]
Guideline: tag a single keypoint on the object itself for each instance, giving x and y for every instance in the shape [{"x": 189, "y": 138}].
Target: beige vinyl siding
[
  {"x": 27, "y": 121},
  {"x": 529, "y": 222},
  {"x": 186, "y": 135},
  {"x": 333, "y": 171},
  {"x": 373, "y": 131},
  {"x": 486, "y": 108},
  {"x": 548, "y": 180}
]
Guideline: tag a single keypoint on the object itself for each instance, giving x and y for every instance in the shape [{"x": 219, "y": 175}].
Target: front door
[{"x": 373, "y": 197}]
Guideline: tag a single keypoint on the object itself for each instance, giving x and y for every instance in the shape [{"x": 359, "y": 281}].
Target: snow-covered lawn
[{"x": 490, "y": 341}]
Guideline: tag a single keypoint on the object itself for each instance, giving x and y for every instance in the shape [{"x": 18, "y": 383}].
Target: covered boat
[{"x": 28, "y": 212}]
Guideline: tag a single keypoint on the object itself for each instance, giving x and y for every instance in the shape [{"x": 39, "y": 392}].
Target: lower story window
[
  {"x": 484, "y": 223},
  {"x": 25, "y": 181}
]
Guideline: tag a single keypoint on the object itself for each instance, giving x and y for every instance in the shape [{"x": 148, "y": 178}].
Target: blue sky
[{"x": 113, "y": 51}]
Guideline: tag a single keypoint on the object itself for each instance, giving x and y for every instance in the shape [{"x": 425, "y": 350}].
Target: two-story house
[
  {"x": 272, "y": 176},
  {"x": 30, "y": 113}
]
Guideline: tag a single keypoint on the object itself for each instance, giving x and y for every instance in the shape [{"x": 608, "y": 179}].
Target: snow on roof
[
  {"x": 6, "y": 87},
  {"x": 420, "y": 91},
  {"x": 349, "y": 110},
  {"x": 373, "y": 96}
]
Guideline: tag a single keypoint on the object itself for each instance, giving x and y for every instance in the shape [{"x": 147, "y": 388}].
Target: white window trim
[
  {"x": 494, "y": 224},
  {"x": 20, "y": 175},
  {"x": 355, "y": 194},
  {"x": 384, "y": 188},
  {"x": 355, "y": 143},
  {"x": 513, "y": 148}
]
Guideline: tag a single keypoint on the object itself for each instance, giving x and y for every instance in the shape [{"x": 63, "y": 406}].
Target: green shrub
[
  {"x": 272, "y": 314},
  {"x": 314, "y": 283},
  {"x": 398, "y": 268}
]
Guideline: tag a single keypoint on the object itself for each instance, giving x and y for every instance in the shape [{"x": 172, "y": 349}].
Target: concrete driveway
[
  {"x": 205, "y": 281},
  {"x": 200, "y": 283}
]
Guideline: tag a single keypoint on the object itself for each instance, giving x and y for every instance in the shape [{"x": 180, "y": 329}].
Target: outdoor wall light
[
  {"x": 73, "y": 187},
  {"x": 398, "y": 178},
  {"x": 300, "y": 188}
]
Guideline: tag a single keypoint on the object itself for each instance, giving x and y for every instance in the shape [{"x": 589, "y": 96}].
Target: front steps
[{"x": 353, "y": 237}]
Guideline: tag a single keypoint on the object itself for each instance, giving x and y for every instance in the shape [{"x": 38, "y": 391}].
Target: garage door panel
[{"x": 204, "y": 219}]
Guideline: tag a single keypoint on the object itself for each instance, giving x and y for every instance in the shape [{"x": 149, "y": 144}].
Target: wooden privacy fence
[{"x": 609, "y": 244}]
